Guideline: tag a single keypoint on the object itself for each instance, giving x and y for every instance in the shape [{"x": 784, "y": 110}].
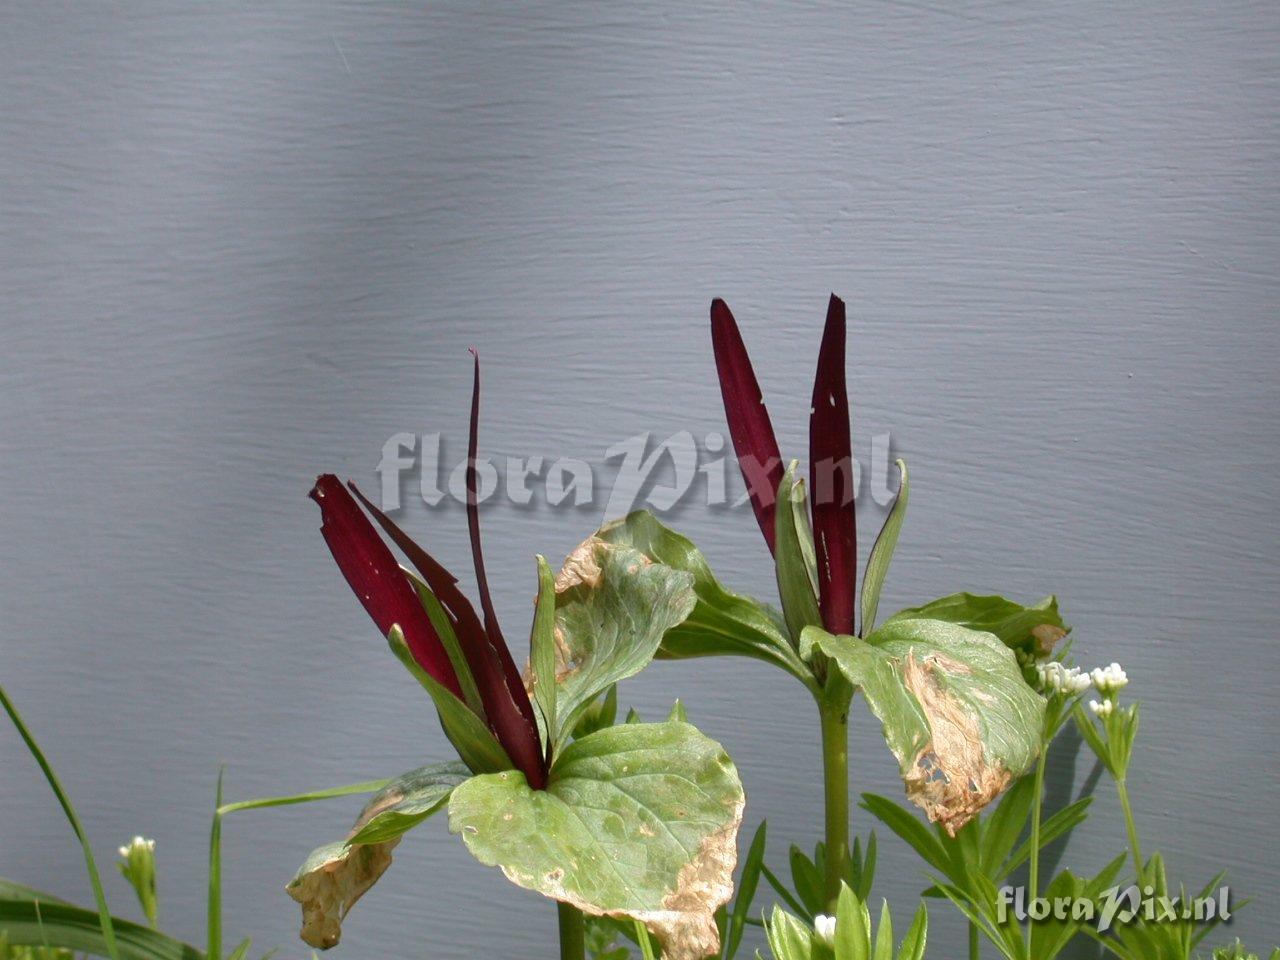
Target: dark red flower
[
  {"x": 391, "y": 598},
  {"x": 830, "y": 455}
]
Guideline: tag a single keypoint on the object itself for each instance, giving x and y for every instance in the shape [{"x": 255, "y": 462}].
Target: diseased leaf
[
  {"x": 1035, "y": 629},
  {"x": 335, "y": 876},
  {"x": 721, "y": 623},
  {"x": 613, "y": 606},
  {"x": 954, "y": 707},
  {"x": 637, "y": 821}
]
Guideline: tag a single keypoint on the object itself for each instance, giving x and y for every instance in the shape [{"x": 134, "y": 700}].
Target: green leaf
[
  {"x": 789, "y": 939},
  {"x": 336, "y": 875},
  {"x": 747, "y": 885},
  {"x": 542, "y": 650},
  {"x": 40, "y": 920},
  {"x": 612, "y": 608},
  {"x": 722, "y": 623},
  {"x": 904, "y": 823},
  {"x": 917, "y": 938},
  {"x": 1002, "y": 828},
  {"x": 853, "y": 927},
  {"x": 470, "y": 736},
  {"x": 600, "y": 713},
  {"x": 882, "y": 552},
  {"x": 953, "y": 705},
  {"x": 638, "y": 821},
  {"x": 792, "y": 557},
  {"x": 408, "y": 800},
  {"x": 1034, "y": 629},
  {"x": 1064, "y": 820}
]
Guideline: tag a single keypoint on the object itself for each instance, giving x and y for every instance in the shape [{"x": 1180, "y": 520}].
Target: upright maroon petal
[
  {"x": 527, "y": 733},
  {"x": 749, "y": 424},
  {"x": 831, "y": 479},
  {"x": 502, "y": 713},
  {"x": 378, "y": 581}
]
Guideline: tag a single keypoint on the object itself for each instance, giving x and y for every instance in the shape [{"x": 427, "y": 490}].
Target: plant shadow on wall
[{"x": 631, "y": 827}]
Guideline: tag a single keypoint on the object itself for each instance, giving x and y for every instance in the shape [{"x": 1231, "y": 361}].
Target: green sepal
[
  {"x": 470, "y": 736},
  {"x": 882, "y": 553},
  {"x": 793, "y": 557}
]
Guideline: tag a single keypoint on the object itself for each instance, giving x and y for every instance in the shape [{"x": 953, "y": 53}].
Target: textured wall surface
[{"x": 244, "y": 243}]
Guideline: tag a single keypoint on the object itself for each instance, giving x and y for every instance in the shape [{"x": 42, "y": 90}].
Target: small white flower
[
  {"x": 1109, "y": 679},
  {"x": 1102, "y": 709},
  {"x": 138, "y": 843},
  {"x": 1055, "y": 678},
  {"x": 825, "y": 927}
]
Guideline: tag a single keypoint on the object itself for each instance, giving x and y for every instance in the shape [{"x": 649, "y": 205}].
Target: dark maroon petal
[
  {"x": 749, "y": 424},
  {"x": 378, "y": 581},
  {"x": 831, "y": 479},
  {"x": 502, "y": 713},
  {"x": 511, "y": 674}
]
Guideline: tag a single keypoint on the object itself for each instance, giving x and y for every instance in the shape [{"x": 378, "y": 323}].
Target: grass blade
[{"x": 104, "y": 914}]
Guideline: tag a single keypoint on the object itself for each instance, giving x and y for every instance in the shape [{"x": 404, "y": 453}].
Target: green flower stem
[
  {"x": 975, "y": 945},
  {"x": 1129, "y": 826},
  {"x": 1037, "y": 802},
  {"x": 573, "y": 933},
  {"x": 834, "y": 713}
]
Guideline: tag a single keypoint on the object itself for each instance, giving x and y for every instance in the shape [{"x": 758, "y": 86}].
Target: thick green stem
[
  {"x": 1036, "y": 803},
  {"x": 1130, "y": 827},
  {"x": 975, "y": 945},
  {"x": 834, "y": 711},
  {"x": 573, "y": 934}
]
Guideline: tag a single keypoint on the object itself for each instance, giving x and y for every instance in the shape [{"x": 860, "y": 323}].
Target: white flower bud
[
  {"x": 1109, "y": 679},
  {"x": 825, "y": 927},
  {"x": 1102, "y": 709}
]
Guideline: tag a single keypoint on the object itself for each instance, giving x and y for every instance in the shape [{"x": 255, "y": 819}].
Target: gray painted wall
[{"x": 244, "y": 243}]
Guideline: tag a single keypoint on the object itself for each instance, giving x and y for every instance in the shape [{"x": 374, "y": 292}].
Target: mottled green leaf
[
  {"x": 1035, "y": 629},
  {"x": 613, "y": 606},
  {"x": 638, "y": 821},
  {"x": 336, "y": 875},
  {"x": 954, "y": 707},
  {"x": 721, "y": 623}
]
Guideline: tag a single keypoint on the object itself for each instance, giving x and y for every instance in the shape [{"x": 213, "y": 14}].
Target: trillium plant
[
  {"x": 631, "y": 828},
  {"x": 634, "y": 821}
]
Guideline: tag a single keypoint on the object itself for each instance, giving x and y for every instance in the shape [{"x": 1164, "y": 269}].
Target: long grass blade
[{"x": 95, "y": 880}]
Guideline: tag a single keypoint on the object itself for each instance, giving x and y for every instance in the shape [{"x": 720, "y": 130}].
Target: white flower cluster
[
  {"x": 1103, "y": 708},
  {"x": 1055, "y": 678},
  {"x": 138, "y": 843},
  {"x": 1109, "y": 679},
  {"x": 825, "y": 928}
]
